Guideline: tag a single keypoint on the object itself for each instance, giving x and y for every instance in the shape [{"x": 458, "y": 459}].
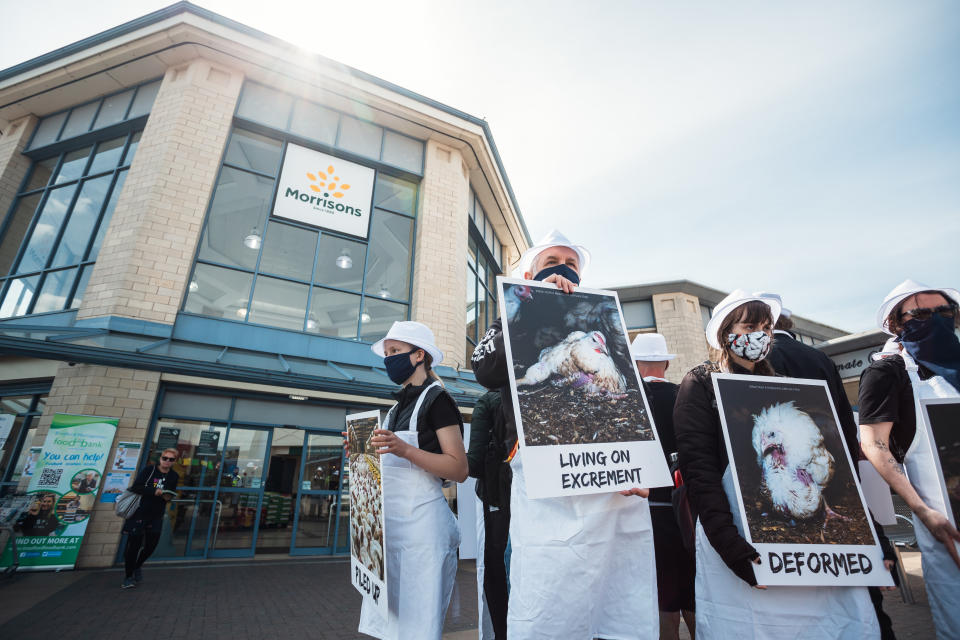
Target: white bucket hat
[
  {"x": 650, "y": 347},
  {"x": 903, "y": 291},
  {"x": 552, "y": 239},
  {"x": 415, "y": 333},
  {"x": 731, "y": 302}
]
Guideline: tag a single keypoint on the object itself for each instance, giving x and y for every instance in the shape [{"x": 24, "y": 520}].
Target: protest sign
[
  {"x": 582, "y": 418},
  {"x": 368, "y": 565},
  {"x": 943, "y": 419},
  {"x": 63, "y": 487},
  {"x": 798, "y": 500}
]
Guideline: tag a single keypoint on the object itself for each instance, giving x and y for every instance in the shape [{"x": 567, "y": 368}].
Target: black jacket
[
  {"x": 794, "y": 359},
  {"x": 662, "y": 397},
  {"x": 703, "y": 460},
  {"x": 490, "y": 365}
]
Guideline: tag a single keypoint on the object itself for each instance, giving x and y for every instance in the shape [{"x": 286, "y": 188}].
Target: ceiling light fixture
[
  {"x": 253, "y": 239},
  {"x": 194, "y": 286},
  {"x": 242, "y": 314},
  {"x": 365, "y": 317},
  {"x": 344, "y": 261},
  {"x": 384, "y": 292}
]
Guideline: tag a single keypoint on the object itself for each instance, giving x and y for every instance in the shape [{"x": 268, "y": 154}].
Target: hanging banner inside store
[
  {"x": 209, "y": 440},
  {"x": 797, "y": 492},
  {"x": 126, "y": 456},
  {"x": 582, "y": 417},
  {"x": 943, "y": 418},
  {"x": 63, "y": 489},
  {"x": 6, "y": 425},
  {"x": 114, "y": 484},
  {"x": 168, "y": 438},
  {"x": 368, "y": 565},
  {"x": 324, "y": 191}
]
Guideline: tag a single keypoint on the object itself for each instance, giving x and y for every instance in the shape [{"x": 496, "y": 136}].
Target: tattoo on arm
[{"x": 880, "y": 444}]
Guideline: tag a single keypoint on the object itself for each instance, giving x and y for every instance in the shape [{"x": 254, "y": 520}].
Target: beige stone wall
[
  {"x": 440, "y": 269},
  {"x": 111, "y": 392},
  {"x": 679, "y": 321},
  {"x": 13, "y": 169},
  {"x": 147, "y": 252}
]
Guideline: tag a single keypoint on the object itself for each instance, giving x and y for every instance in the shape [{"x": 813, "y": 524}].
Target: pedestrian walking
[
  {"x": 421, "y": 443},
  {"x": 922, "y": 360},
  {"x": 729, "y": 602},
  {"x": 156, "y": 485}
]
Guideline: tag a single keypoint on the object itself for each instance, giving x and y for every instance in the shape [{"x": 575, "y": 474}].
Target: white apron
[
  {"x": 727, "y": 607},
  {"x": 581, "y": 567},
  {"x": 421, "y": 539},
  {"x": 940, "y": 573}
]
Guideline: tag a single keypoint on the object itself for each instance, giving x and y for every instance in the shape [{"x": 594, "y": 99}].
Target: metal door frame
[{"x": 335, "y": 507}]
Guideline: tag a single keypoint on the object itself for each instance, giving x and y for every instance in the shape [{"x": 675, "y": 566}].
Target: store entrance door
[
  {"x": 240, "y": 492},
  {"x": 320, "y": 524}
]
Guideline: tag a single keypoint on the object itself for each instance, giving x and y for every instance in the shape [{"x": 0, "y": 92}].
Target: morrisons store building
[{"x": 202, "y": 229}]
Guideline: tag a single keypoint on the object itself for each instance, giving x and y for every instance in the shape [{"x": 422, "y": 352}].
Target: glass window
[
  {"x": 81, "y": 286},
  {"x": 639, "y": 314},
  {"x": 482, "y": 272},
  {"x": 41, "y": 173},
  {"x": 108, "y": 155},
  {"x": 388, "y": 272},
  {"x": 279, "y": 303},
  {"x": 378, "y": 317},
  {"x": 107, "y": 214},
  {"x": 71, "y": 167},
  {"x": 132, "y": 149},
  {"x": 195, "y": 468},
  {"x": 333, "y": 313},
  {"x": 113, "y": 109},
  {"x": 19, "y": 296},
  {"x": 360, "y": 137},
  {"x": 44, "y": 234},
  {"x": 80, "y": 120},
  {"x": 284, "y": 251},
  {"x": 402, "y": 151},
  {"x": 55, "y": 291},
  {"x": 49, "y": 130},
  {"x": 315, "y": 122},
  {"x": 340, "y": 262},
  {"x": 705, "y": 312},
  {"x": 83, "y": 219},
  {"x": 16, "y": 230},
  {"x": 221, "y": 293},
  {"x": 395, "y": 194},
  {"x": 234, "y": 231},
  {"x": 251, "y": 151},
  {"x": 262, "y": 104},
  {"x": 143, "y": 101}
]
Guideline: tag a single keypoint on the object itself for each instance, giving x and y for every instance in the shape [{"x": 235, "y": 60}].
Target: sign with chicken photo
[
  {"x": 799, "y": 501},
  {"x": 583, "y": 421},
  {"x": 368, "y": 567},
  {"x": 943, "y": 418}
]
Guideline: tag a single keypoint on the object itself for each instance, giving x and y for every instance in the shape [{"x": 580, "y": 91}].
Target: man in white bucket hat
[
  {"x": 924, "y": 363},
  {"x": 569, "y": 554},
  {"x": 676, "y": 569}
]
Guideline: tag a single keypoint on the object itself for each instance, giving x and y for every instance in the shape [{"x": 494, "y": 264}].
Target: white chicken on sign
[
  {"x": 795, "y": 465},
  {"x": 582, "y": 361}
]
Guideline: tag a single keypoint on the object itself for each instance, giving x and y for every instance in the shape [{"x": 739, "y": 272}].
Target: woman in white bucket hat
[
  {"x": 923, "y": 361},
  {"x": 421, "y": 442},
  {"x": 729, "y": 603}
]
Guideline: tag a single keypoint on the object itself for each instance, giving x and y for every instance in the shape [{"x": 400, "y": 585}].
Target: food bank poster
[
  {"x": 63, "y": 490},
  {"x": 798, "y": 499},
  {"x": 582, "y": 417},
  {"x": 368, "y": 565}
]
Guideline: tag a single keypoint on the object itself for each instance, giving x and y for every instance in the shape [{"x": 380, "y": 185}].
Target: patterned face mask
[{"x": 752, "y": 346}]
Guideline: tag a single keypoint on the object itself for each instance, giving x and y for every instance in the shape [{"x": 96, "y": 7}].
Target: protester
[
  {"x": 676, "y": 570},
  {"x": 582, "y": 566},
  {"x": 156, "y": 484},
  {"x": 922, "y": 361},
  {"x": 40, "y": 519},
  {"x": 741, "y": 329},
  {"x": 790, "y": 357},
  {"x": 487, "y": 452},
  {"x": 421, "y": 442}
]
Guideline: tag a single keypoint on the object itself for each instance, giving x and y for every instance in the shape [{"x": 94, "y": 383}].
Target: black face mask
[
  {"x": 560, "y": 270},
  {"x": 399, "y": 367},
  {"x": 934, "y": 344}
]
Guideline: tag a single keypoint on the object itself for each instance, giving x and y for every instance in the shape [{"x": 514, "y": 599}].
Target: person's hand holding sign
[
  {"x": 386, "y": 441},
  {"x": 567, "y": 286},
  {"x": 636, "y": 491}
]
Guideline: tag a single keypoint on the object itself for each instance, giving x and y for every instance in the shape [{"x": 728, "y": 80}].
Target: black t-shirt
[
  {"x": 41, "y": 524},
  {"x": 150, "y": 479},
  {"x": 886, "y": 395},
  {"x": 442, "y": 413}
]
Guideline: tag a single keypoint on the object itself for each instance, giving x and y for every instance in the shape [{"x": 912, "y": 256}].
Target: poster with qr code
[{"x": 67, "y": 475}]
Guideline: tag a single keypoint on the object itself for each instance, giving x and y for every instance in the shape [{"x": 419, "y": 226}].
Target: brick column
[
  {"x": 13, "y": 169},
  {"x": 679, "y": 321},
  {"x": 440, "y": 269},
  {"x": 110, "y": 392},
  {"x": 142, "y": 268}
]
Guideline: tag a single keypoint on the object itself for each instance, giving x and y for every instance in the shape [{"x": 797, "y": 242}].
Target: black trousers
[
  {"x": 886, "y": 625},
  {"x": 496, "y": 531},
  {"x": 140, "y": 546}
]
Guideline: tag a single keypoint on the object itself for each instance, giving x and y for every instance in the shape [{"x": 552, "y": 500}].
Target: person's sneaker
[
  {"x": 128, "y": 583},
  {"x": 137, "y": 576}
]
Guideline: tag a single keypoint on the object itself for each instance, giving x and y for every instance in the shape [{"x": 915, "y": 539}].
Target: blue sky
[{"x": 807, "y": 148}]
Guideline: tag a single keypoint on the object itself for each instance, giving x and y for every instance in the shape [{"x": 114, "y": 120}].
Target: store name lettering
[{"x": 322, "y": 203}]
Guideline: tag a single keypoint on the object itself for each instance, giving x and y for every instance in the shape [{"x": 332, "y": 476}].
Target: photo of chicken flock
[
  {"x": 366, "y": 497},
  {"x": 575, "y": 378},
  {"x": 795, "y": 478}
]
